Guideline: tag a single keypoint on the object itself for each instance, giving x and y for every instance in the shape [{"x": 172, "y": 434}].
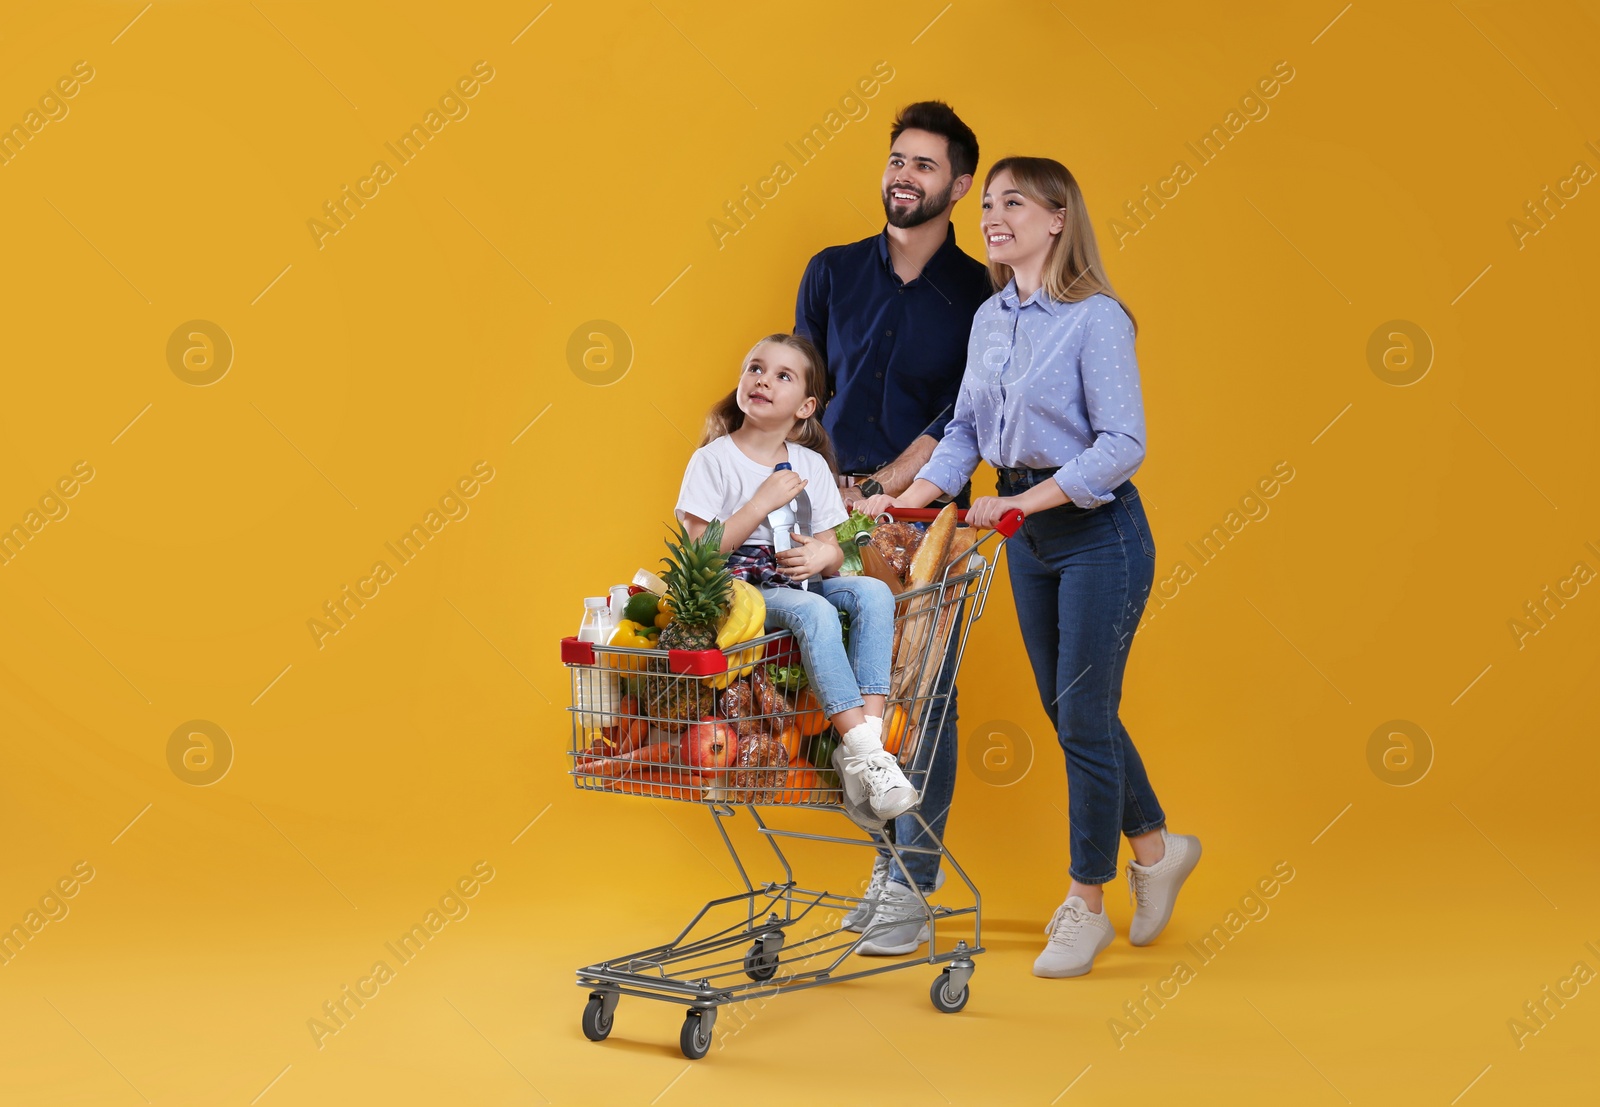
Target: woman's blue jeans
[
  {"x": 1080, "y": 579},
  {"x": 839, "y": 680}
]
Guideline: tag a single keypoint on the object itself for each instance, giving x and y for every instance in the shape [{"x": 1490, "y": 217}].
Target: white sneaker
[
  {"x": 875, "y": 789},
  {"x": 860, "y": 915},
  {"x": 1077, "y": 935},
  {"x": 1154, "y": 888},
  {"x": 899, "y": 926}
]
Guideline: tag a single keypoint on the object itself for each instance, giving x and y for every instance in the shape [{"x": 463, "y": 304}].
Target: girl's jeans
[
  {"x": 1080, "y": 579},
  {"x": 812, "y": 616}
]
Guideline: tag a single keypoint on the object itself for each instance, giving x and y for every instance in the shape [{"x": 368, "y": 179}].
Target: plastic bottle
[
  {"x": 782, "y": 521},
  {"x": 619, "y": 605},
  {"x": 596, "y": 692},
  {"x": 596, "y": 614}
]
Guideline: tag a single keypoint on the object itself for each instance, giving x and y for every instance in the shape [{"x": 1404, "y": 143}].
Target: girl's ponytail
[
  {"x": 809, "y": 432},
  {"x": 723, "y": 419}
]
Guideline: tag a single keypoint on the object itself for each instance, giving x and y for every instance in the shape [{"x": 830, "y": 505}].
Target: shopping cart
[{"x": 754, "y": 744}]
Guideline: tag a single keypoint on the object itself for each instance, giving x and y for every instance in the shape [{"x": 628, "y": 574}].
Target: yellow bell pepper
[
  {"x": 663, "y": 613},
  {"x": 635, "y": 637}
]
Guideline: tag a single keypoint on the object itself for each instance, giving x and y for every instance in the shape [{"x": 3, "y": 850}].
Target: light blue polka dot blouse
[{"x": 1047, "y": 384}]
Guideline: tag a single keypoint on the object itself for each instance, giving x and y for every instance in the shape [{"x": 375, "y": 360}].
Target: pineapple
[
  {"x": 676, "y": 701},
  {"x": 699, "y": 588},
  {"x": 699, "y": 593}
]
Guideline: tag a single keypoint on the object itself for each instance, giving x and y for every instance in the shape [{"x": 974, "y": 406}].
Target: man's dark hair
[{"x": 937, "y": 117}]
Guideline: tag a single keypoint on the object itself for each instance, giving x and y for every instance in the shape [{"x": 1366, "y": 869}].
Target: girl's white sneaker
[{"x": 875, "y": 790}]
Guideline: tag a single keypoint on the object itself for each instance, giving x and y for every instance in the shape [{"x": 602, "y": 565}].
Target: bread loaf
[{"x": 763, "y": 767}]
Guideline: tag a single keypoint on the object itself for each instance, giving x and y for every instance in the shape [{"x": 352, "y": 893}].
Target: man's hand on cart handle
[
  {"x": 876, "y": 505},
  {"x": 920, "y": 494}
]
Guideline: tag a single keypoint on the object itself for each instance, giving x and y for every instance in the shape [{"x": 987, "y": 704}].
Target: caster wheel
[
  {"x": 757, "y": 966},
  {"x": 695, "y": 1038},
  {"x": 945, "y": 1000},
  {"x": 596, "y": 1023}
]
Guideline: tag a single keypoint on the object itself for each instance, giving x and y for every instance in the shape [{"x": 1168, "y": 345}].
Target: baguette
[
  {"x": 914, "y": 620},
  {"x": 935, "y": 549},
  {"x": 928, "y": 674},
  {"x": 961, "y": 544},
  {"x": 926, "y": 670}
]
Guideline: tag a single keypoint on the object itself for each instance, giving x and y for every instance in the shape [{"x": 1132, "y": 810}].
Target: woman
[{"x": 1051, "y": 399}]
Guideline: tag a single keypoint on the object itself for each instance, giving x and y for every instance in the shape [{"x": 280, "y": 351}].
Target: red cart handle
[{"x": 1008, "y": 525}]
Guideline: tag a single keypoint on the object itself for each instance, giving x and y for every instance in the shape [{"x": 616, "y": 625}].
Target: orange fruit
[
  {"x": 897, "y": 727},
  {"x": 800, "y": 783}
]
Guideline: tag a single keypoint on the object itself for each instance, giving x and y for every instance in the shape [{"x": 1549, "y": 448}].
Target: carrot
[
  {"x": 657, "y": 753},
  {"x": 680, "y": 784},
  {"x": 628, "y": 731},
  {"x": 632, "y": 736}
]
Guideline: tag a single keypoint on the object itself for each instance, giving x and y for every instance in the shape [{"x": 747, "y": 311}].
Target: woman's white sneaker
[
  {"x": 1154, "y": 888},
  {"x": 1077, "y": 935}
]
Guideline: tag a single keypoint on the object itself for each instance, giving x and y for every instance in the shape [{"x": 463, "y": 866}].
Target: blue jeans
[
  {"x": 933, "y": 770},
  {"x": 1080, "y": 580},
  {"x": 812, "y": 616}
]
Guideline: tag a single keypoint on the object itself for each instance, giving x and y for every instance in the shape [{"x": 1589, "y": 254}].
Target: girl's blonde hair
[
  {"x": 1072, "y": 268},
  {"x": 725, "y": 416}
]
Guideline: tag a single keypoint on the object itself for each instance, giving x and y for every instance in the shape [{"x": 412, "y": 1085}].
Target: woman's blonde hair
[
  {"x": 1072, "y": 268},
  {"x": 725, "y": 416}
]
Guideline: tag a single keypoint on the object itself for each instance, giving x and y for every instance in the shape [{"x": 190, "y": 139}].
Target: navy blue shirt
[{"x": 895, "y": 350}]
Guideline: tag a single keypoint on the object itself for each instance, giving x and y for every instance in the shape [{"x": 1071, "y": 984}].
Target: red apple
[{"x": 710, "y": 744}]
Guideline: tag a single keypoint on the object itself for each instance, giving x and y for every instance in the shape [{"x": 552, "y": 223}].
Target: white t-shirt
[{"x": 721, "y": 479}]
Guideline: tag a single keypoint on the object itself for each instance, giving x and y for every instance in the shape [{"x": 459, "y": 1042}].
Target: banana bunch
[{"x": 746, "y": 619}]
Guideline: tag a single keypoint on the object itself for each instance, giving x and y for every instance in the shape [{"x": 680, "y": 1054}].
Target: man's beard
[{"x": 929, "y": 207}]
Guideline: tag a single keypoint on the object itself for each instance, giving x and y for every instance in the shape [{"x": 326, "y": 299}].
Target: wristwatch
[{"x": 869, "y": 487}]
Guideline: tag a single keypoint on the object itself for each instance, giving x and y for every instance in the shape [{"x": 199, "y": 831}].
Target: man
[{"x": 891, "y": 315}]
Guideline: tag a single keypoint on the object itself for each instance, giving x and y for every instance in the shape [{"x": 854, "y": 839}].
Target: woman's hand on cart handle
[
  {"x": 988, "y": 511},
  {"x": 1004, "y": 515}
]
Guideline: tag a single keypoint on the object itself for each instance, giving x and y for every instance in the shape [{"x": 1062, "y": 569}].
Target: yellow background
[{"x": 427, "y": 335}]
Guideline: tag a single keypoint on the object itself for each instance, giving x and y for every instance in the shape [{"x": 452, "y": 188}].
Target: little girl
[{"x": 775, "y": 416}]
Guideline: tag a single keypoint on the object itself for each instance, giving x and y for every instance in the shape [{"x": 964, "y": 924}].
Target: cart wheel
[
  {"x": 758, "y": 966},
  {"x": 596, "y": 1023},
  {"x": 943, "y": 998},
  {"x": 695, "y": 1038}
]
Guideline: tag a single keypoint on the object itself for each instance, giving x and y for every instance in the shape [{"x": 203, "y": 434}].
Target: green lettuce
[{"x": 846, "y": 533}]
